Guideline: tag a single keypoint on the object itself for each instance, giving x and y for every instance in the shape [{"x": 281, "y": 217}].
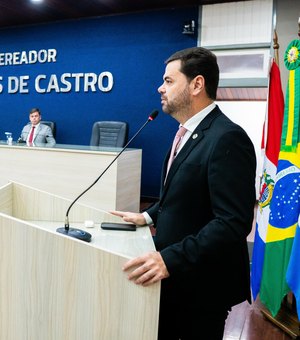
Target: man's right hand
[{"x": 136, "y": 218}]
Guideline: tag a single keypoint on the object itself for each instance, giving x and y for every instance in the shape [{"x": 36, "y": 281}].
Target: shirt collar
[{"x": 194, "y": 121}]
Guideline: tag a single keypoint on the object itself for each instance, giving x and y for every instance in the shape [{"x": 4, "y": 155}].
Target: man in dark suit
[
  {"x": 36, "y": 133},
  {"x": 205, "y": 209}
]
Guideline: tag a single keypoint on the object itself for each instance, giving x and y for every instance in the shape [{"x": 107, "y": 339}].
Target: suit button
[{"x": 160, "y": 210}]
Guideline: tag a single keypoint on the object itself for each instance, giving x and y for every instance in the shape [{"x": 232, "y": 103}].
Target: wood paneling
[
  {"x": 55, "y": 287},
  {"x": 242, "y": 93}
]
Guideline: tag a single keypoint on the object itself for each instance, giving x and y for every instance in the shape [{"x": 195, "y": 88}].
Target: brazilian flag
[{"x": 282, "y": 247}]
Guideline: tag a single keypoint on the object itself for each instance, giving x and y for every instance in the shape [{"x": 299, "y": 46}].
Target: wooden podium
[
  {"x": 67, "y": 170},
  {"x": 54, "y": 287}
]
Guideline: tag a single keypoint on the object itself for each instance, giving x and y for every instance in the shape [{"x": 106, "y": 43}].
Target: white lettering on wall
[
  {"x": 110, "y": 81},
  {"x": 18, "y": 84},
  {"x": 67, "y": 82},
  {"x": 48, "y": 83},
  {"x": 28, "y": 57},
  {"x": 37, "y": 83}
]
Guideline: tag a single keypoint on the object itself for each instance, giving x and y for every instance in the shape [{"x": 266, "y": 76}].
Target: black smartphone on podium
[{"x": 118, "y": 226}]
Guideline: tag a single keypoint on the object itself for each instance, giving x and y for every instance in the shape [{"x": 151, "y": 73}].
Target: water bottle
[{"x": 9, "y": 138}]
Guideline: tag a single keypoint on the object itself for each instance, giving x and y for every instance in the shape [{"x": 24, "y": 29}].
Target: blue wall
[{"x": 131, "y": 47}]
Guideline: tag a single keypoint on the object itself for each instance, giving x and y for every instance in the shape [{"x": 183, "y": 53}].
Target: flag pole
[{"x": 276, "y": 47}]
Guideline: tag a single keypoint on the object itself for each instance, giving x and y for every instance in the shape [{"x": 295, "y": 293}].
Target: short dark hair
[
  {"x": 35, "y": 109},
  {"x": 199, "y": 61}
]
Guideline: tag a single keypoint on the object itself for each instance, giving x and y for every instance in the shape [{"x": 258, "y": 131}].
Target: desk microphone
[
  {"x": 78, "y": 233},
  {"x": 21, "y": 140}
]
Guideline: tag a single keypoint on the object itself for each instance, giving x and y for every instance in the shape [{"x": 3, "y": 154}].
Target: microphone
[
  {"x": 78, "y": 233},
  {"x": 21, "y": 140}
]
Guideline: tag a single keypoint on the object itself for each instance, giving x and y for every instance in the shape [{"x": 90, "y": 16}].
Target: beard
[{"x": 179, "y": 105}]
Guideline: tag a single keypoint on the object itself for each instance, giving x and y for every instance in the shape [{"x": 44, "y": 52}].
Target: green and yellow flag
[{"x": 285, "y": 203}]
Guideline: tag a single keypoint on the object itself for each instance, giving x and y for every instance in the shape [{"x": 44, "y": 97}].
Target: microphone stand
[{"x": 78, "y": 233}]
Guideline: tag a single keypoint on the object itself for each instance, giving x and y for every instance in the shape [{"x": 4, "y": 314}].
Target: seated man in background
[{"x": 35, "y": 133}]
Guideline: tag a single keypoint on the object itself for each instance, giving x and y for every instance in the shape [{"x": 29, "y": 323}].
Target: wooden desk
[
  {"x": 67, "y": 170},
  {"x": 55, "y": 287}
]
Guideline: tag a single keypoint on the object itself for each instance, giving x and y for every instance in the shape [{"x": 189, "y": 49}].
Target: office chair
[
  {"x": 109, "y": 133},
  {"x": 52, "y": 126}
]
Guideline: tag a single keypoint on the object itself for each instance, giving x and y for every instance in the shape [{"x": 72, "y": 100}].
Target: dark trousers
[
  {"x": 183, "y": 319},
  {"x": 208, "y": 326}
]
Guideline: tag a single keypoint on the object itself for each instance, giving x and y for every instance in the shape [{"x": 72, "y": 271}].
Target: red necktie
[
  {"x": 177, "y": 140},
  {"x": 30, "y": 139}
]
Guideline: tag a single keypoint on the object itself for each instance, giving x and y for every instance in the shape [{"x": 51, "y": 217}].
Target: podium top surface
[
  {"x": 39, "y": 210},
  {"x": 128, "y": 244}
]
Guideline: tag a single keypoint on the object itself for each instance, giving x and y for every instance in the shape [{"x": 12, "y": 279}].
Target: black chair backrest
[
  {"x": 51, "y": 124},
  {"x": 109, "y": 133}
]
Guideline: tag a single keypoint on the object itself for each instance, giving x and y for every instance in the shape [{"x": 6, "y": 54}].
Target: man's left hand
[{"x": 147, "y": 269}]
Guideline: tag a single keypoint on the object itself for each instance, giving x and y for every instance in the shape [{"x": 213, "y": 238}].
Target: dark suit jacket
[{"x": 205, "y": 213}]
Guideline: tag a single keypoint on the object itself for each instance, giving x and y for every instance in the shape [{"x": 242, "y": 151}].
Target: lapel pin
[{"x": 195, "y": 135}]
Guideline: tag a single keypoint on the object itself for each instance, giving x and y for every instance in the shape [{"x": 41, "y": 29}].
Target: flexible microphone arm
[{"x": 151, "y": 117}]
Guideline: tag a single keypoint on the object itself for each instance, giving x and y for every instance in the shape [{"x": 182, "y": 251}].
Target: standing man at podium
[{"x": 205, "y": 210}]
